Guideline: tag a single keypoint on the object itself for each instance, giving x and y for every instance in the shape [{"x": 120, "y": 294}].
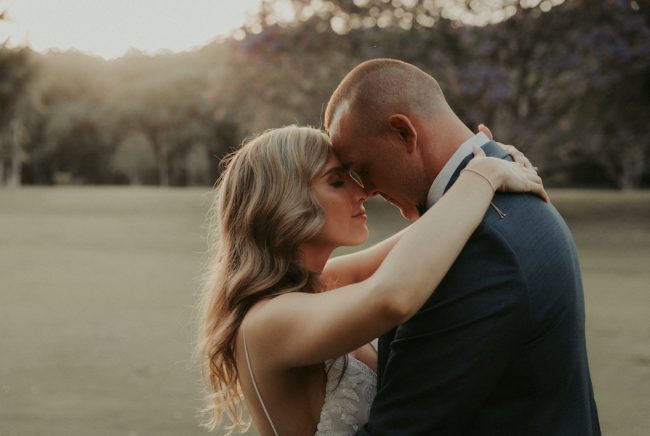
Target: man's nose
[
  {"x": 361, "y": 195},
  {"x": 370, "y": 189}
]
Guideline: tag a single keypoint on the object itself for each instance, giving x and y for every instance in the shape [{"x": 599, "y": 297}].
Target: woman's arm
[
  {"x": 299, "y": 329},
  {"x": 355, "y": 267}
]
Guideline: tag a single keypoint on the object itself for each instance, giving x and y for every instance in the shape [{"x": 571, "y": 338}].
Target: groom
[{"x": 499, "y": 349}]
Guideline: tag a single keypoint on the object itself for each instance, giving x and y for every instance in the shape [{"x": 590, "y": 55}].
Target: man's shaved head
[
  {"x": 391, "y": 126},
  {"x": 378, "y": 88}
]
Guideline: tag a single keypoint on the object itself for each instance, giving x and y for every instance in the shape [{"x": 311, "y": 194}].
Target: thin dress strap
[{"x": 257, "y": 391}]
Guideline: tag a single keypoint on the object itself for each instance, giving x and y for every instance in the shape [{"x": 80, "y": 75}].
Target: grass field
[{"x": 97, "y": 294}]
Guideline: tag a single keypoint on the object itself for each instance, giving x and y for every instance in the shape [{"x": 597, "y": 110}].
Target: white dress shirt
[{"x": 442, "y": 179}]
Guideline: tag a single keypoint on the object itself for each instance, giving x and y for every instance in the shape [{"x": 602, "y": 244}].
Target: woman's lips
[{"x": 361, "y": 214}]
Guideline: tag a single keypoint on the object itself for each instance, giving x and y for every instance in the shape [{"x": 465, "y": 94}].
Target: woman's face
[{"x": 342, "y": 201}]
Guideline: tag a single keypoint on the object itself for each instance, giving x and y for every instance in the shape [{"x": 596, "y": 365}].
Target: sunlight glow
[{"x": 109, "y": 28}]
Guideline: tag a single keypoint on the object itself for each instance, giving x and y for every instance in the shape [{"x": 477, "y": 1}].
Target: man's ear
[{"x": 401, "y": 125}]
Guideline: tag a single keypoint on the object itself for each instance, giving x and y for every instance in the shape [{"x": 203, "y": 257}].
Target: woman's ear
[{"x": 402, "y": 126}]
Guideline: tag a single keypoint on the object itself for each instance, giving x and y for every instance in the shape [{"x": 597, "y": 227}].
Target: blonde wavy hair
[{"x": 263, "y": 209}]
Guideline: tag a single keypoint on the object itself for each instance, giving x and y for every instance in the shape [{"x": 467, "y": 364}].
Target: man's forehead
[
  {"x": 348, "y": 157},
  {"x": 344, "y": 158},
  {"x": 337, "y": 120}
]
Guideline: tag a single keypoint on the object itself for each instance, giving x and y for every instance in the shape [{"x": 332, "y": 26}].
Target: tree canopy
[{"x": 568, "y": 82}]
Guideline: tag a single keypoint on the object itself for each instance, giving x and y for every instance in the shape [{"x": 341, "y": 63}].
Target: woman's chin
[{"x": 361, "y": 238}]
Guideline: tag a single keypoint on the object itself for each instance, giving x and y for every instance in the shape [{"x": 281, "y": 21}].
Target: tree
[
  {"x": 344, "y": 16},
  {"x": 15, "y": 74},
  {"x": 584, "y": 96},
  {"x": 135, "y": 158},
  {"x": 172, "y": 109},
  {"x": 197, "y": 165},
  {"x": 567, "y": 81}
]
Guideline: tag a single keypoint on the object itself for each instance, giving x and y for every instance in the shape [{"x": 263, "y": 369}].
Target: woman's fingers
[
  {"x": 526, "y": 180},
  {"x": 537, "y": 186},
  {"x": 514, "y": 176},
  {"x": 517, "y": 155},
  {"x": 538, "y": 189},
  {"x": 484, "y": 129},
  {"x": 533, "y": 176}
]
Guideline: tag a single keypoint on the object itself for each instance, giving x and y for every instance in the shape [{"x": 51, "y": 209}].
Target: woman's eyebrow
[{"x": 337, "y": 169}]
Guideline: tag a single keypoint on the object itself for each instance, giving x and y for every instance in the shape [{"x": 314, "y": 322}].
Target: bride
[{"x": 284, "y": 328}]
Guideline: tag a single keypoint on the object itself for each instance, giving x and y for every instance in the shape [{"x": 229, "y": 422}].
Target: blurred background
[{"x": 114, "y": 116}]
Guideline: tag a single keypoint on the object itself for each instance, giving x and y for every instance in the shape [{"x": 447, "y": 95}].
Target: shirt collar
[{"x": 442, "y": 179}]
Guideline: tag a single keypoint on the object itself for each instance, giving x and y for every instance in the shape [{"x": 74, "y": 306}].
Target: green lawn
[{"x": 97, "y": 294}]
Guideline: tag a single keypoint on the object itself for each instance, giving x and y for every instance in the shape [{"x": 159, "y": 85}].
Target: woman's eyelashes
[{"x": 339, "y": 180}]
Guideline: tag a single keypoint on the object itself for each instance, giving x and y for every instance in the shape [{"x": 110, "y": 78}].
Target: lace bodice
[
  {"x": 347, "y": 397},
  {"x": 347, "y": 404}
]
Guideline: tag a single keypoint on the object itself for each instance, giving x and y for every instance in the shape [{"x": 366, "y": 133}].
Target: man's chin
[{"x": 410, "y": 214}]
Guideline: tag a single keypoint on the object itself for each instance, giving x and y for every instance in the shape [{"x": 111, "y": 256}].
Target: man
[{"x": 499, "y": 349}]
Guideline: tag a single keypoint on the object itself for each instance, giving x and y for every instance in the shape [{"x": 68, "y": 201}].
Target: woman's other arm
[{"x": 356, "y": 267}]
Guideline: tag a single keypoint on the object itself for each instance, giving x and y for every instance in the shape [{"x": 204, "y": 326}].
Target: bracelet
[{"x": 482, "y": 175}]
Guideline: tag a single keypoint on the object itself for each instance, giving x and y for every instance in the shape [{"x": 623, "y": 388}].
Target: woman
[{"x": 269, "y": 333}]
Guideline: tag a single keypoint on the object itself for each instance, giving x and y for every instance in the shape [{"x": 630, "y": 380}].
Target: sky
[{"x": 109, "y": 28}]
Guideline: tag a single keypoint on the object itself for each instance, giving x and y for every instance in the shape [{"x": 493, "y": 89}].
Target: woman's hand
[
  {"x": 517, "y": 155},
  {"x": 506, "y": 176}
]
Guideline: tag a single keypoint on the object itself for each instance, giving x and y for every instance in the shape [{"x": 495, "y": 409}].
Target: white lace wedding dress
[{"x": 347, "y": 403}]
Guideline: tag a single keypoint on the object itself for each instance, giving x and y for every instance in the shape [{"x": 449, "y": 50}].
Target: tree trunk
[
  {"x": 17, "y": 138},
  {"x": 134, "y": 180},
  {"x": 632, "y": 167},
  {"x": 163, "y": 164}
]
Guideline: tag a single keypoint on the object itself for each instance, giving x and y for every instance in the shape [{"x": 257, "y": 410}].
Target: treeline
[{"x": 568, "y": 82}]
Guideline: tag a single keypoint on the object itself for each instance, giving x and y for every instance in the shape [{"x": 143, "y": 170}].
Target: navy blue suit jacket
[{"x": 499, "y": 348}]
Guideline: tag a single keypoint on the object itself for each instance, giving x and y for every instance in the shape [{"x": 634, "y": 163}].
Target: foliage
[
  {"x": 134, "y": 157},
  {"x": 566, "y": 81},
  {"x": 197, "y": 167},
  {"x": 15, "y": 74}
]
